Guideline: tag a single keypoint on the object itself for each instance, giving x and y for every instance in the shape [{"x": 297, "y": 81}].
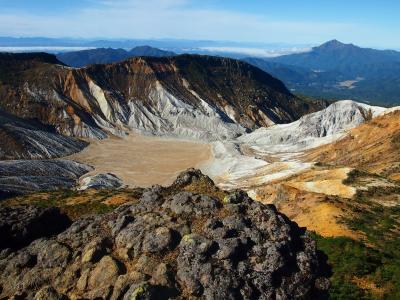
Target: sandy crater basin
[{"x": 144, "y": 160}]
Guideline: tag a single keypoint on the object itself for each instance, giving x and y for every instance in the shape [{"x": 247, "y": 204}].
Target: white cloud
[{"x": 167, "y": 19}]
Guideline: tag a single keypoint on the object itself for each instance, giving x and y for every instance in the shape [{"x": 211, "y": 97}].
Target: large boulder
[{"x": 171, "y": 244}]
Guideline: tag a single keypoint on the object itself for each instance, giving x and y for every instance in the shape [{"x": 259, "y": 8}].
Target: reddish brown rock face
[{"x": 91, "y": 101}]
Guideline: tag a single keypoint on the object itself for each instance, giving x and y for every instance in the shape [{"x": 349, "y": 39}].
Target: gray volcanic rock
[
  {"x": 22, "y": 139},
  {"x": 171, "y": 244},
  {"x": 100, "y": 181},
  {"x": 24, "y": 176}
]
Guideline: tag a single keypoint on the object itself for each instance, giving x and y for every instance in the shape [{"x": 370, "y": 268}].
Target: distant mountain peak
[
  {"x": 334, "y": 42},
  {"x": 333, "y": 45},
  {"x": 145, "y": 47}
]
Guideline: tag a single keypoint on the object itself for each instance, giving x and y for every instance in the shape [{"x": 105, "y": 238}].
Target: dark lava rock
[
  {"x": 166, "y": 245},
  {"x": 191, "y": 176},
  {"x": 21, "y": 225}
]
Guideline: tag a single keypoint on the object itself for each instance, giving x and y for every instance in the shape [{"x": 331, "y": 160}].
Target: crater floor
[{"x": 144, "y": 160}]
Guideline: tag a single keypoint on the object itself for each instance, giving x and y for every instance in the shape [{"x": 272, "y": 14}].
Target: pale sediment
[{"x": 144, "y": 160}]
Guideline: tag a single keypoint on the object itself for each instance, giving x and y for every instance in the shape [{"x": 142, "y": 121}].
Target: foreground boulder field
[{"x": 169, "y": 244}]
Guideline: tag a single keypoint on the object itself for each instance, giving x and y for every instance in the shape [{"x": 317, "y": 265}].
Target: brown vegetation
[{"x": 372, "y": 147}]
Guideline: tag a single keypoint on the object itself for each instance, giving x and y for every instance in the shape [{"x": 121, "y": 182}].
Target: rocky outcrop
[
  {"x": 171, "y": 244},
  {"x": 22, "y": 139},
  {"x": 192, "y": 96},
  {"x": 25, "y": 176},
  {"x": 100, "y": 181}
]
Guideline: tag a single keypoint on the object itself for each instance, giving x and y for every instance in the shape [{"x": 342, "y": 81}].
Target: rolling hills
[{"x": 107, "y": 55}]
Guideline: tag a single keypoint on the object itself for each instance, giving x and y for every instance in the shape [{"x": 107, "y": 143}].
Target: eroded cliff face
[
  {"x": 191, "y": 96},
  {"x": 29, "y": 139},
  {"x": 27, "y": 176}
]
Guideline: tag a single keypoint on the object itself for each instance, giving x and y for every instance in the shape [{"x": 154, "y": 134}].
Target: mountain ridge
[
  {"x": 157, "y": 95},
  {"x": 348, "y": 58},
  {"x": 335, "y": 70},
  {"x": 108, "y": 55},
  {"x": 372, "y": 147}
]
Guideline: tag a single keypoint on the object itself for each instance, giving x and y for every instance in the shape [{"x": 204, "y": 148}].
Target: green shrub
[{"x": 348, "y": 259}]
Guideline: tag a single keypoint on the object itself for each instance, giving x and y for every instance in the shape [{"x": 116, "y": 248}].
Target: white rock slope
[
  {"x": 100, "y": 181},
  {"x": 26, "y": 176},
  {"x": 168, "y": 115},
  {"x": 21, "y": 139},
  {"x": 272, "y": 153},
  {"x": 312, "y": 130}
]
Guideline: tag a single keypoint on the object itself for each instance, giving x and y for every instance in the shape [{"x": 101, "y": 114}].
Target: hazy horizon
[
  {"x": 179, "y": 46},
  {"x": 310, "y": 22}
]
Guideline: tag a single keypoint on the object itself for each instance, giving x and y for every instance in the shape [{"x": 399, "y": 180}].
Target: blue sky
[{"x": 367, "y": 23}]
